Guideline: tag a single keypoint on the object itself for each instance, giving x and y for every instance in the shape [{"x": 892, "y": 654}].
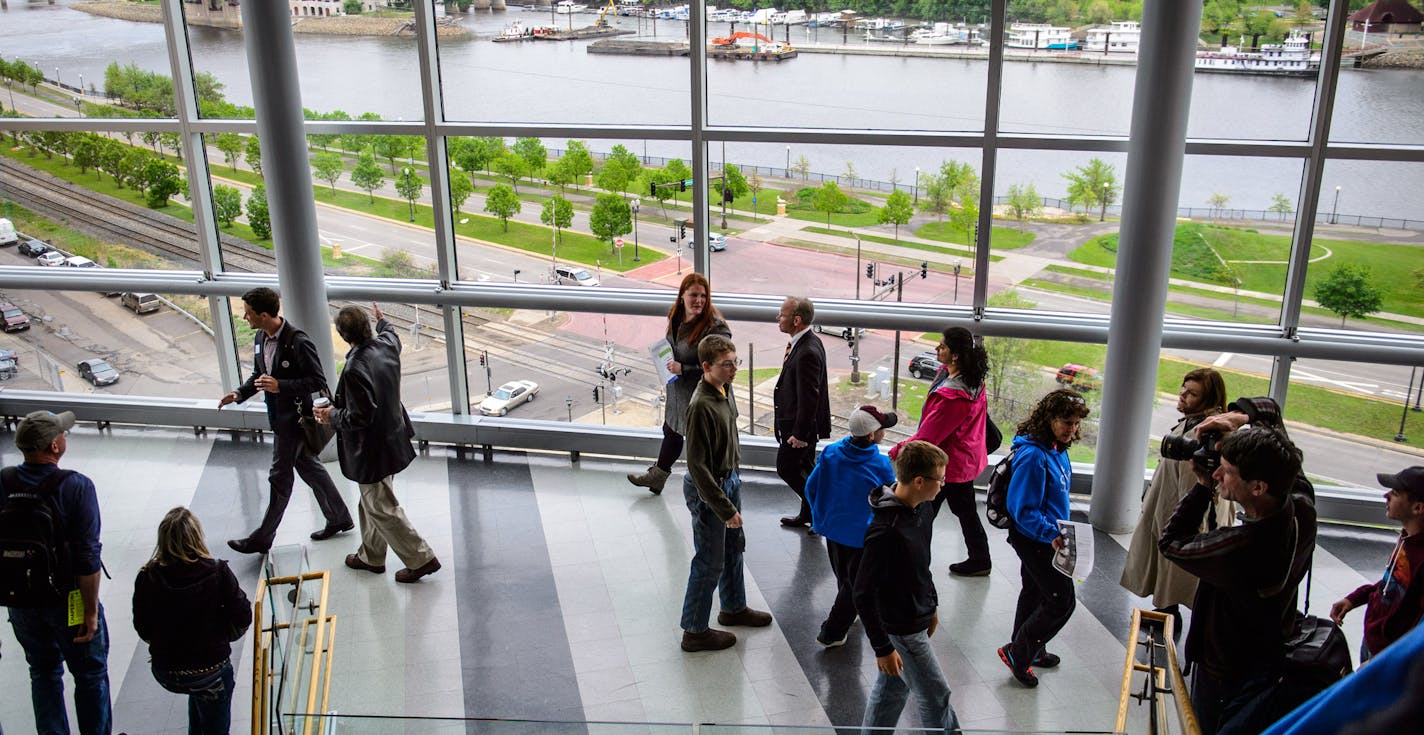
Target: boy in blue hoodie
[
  {"x": 895, "y": 594},
  {"x": 846, "y": 473}
]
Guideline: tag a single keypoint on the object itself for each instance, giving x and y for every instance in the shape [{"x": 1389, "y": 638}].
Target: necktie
[{"x": 787, "y": 353}]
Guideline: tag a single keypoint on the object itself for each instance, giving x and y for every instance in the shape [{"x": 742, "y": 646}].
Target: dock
[
  {"x": 625, "y": 47},
  {"x": 581, "y": 34}
]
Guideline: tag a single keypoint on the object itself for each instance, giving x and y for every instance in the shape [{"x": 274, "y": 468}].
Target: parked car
[
  {"x": 508, "y": 396},
  {"x": 845, "y": 333},
  {"x": 8, "y": 236},
  {"x": 34, "y": 248},
  {"x": 572, "y": 275},
  {"x": 924, "y": 365},
  {"x": 716, "y": 242},
  {"x": 140, "y": 303},
  {"x": 79, "y": 261},
  {"x": 9, "y": 364},
  {"x": 97, "y": 371},
  {"x": 1079, "y": 377},
  {"x": 14, "y": 320},
  {"x": 50, "y": 257}
]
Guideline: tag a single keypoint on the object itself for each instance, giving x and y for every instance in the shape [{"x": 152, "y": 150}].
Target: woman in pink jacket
[{"x": 953, "y": 420}]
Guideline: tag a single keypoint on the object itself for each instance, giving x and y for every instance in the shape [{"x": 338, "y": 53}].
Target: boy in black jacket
[{"x": 895, "y": 593}]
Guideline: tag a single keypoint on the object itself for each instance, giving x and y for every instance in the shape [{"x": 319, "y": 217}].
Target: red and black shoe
[{"x": 1024, "y": 675}]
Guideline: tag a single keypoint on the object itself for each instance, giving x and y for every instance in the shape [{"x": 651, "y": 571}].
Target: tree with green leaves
[
  {"x": 850, "y": 173},
  {"x": 937, "y": 196},
  {"x": 409, "y": 185},
  {"x": 325, "y": 140},
  {"x": 367, "y": 175},
  {"x": 1217, "y": 201},
  {"x": 163, "y": 182},
  {"x": 673, "y": 172},
  {"x": 1005, "y": 353},
  {"x": 829, "y": 199},
  {"x": 230, "y": 144},
  {"x": 353, "y": 7},
  {"x": 392, "y": 147},
  {"x": 1347, "y": 292},
  {"x": 533, "y": 152},
  {"x": 503, "y": 202},
  {"x": 328, "y": 167},
  {"x": 512, "y": 166},
  {"x": 258, "y": 217},
  {"x": 1093, "y": 185},
  {"x": 111, "y": 158},
  {"x": 802, "y": 167},
  {"x": 1024, "y": 203},
  {"x": 755, "y": 185},
  {"x": 733, "y": 180},
  {"x": 86, "y": 151},
  {"x": 610, "y": 218},
  {"x": 134, "y": 167},
  {"x": 460, "y": 190},
  {"x": 253, "y": 154},
  {"x": 1281, "y": 205},
  {"x": 560, "y": 173},
  {"x": 557, "y": 213},
  {"x": 898, "y": 210},
  {"x": 578, "y": 161},
  {"x": 227, "y": 204},
  {"x": 619, "y": 171},
  {"x": 966, "y": 216}
]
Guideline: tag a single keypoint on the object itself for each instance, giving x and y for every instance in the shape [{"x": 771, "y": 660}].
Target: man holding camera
[{"x": 1246, "y": 600}]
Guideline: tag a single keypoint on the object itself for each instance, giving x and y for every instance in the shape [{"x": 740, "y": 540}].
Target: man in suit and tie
[
  {"x": 801, "y": 401},
  {"x": 287, "y": 370}
]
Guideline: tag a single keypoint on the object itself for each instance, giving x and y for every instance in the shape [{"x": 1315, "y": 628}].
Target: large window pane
[
  {"x": 1358, "y": 407},
  {"x": 1377, "y": 104},
  {"x": 1253, "y": 54}
]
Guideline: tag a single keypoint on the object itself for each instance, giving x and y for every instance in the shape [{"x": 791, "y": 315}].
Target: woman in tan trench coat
[{"x": 1146, "y": 573}]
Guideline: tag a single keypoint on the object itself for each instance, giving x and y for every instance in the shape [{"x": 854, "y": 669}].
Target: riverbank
[{"x": 341, "y": 25}]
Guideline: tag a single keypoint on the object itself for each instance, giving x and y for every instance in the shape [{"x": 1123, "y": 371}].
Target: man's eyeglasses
[{"x": 729, "y": 364}]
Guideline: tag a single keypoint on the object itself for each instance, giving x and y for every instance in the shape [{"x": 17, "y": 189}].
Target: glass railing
[{"x": 293, "y": 644}]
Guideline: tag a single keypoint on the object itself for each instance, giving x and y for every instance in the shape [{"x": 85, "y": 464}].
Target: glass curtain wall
[{"x": 589, "y": 158}]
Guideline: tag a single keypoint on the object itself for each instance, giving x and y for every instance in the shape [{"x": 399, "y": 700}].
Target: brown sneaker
[
  {"x": 745, "y": 617},
  {"x": 708, "y": 640},
  {"x": 413, "y": 575}
]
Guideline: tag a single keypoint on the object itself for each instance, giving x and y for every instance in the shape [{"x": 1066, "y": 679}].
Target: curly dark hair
[
  {"x": 1063, "y": 403},
  {"x": 970, "y": 358}
]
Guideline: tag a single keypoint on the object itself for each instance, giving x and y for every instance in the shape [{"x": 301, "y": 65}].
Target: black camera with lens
[{"x": 1200, "y": 450}]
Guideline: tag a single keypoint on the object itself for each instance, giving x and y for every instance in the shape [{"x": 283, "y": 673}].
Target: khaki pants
[{"x": 384, "y": 523}]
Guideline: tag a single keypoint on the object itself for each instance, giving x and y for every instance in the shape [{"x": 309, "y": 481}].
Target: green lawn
[
  {"x": 1196, "y": 247},
  {"x": 963, "y": 252},
  {"x": 1001, "y": 238},
  {"x": 912, "y": 394}
]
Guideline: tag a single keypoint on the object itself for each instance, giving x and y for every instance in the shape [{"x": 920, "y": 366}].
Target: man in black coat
[
  {"x": 373, "y": 434},
  {"x": 801, "y": 401},
  {"x": 287, "y": 370}
]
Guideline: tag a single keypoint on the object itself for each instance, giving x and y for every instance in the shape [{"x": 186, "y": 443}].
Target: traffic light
[
  {"x": 924, "y": 269},
  {"x": 727, "y": 195},
  {"x": 869, "y": 270},
  {"x": 682, "y": 229},
  {"x": 482, "y": 358},
  {"x": 595, "y": 395},
  {"x": 653, "y": 189},
  {"x": 682, "y": 185}
]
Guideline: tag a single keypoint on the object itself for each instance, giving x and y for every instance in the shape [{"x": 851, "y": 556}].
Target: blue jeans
[
  {"x": 716, "y": 558},
  {"x": 209, "y": 697},
  {"x": 920, "y": 675},
  {"x": 48, "y": 641}
]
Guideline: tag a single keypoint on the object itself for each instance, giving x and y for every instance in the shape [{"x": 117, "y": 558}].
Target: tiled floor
[{"x": 560, "y": 595}]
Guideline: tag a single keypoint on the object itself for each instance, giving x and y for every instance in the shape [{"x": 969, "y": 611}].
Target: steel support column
[
  {"x": 697, "y": 60},
  {"x": 993, "y": 100},
  {"x": 277, "y": 100},
  {"x": 1162, "y": 98}
]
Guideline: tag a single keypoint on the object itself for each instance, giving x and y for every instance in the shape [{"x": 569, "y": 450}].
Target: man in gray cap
[
  {"x": 66, "y": 627},
  {"x": 1395, "y": 604}
]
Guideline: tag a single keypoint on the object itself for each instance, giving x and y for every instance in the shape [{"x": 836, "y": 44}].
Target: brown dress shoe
[
  {"x": 413, "y": 575},
  {"x": 708, "y": 640},
  {"x": 354, "y": 561},
  {"x": 745, "y": 617}
]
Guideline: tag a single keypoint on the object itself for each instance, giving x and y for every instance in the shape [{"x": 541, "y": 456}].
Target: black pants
[
  {"x": 289, "y": 455},
  {"x": 793, "y": 466},
  {"x": 960, "y": 496},
  {"x": 670, "y": 449},
  {"x": 1244, "y": 704},
  {"x": 845, "y": 561},
  {"x": 1046, "y": 598}
]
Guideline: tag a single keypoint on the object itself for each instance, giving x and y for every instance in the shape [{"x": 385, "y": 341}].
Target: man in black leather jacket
[
  {"x": 287, "y": 370},
  {"x": 373, "y": 434}
]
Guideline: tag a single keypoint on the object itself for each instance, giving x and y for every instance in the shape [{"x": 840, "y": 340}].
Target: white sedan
[{"x": 508, "y": 396}]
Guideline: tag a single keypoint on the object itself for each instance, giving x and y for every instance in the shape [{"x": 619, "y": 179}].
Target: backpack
[
  {"x": 35, "y": 568},
  {"x": 996, "y": 497}
]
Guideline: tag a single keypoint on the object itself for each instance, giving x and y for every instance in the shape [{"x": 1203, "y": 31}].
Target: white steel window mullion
[
  {"x": 697, "y": 61},
  {"x": 993, "y": 99}
]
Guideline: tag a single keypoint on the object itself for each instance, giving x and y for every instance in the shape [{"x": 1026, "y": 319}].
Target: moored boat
[{"x": 1291, "y": 58}]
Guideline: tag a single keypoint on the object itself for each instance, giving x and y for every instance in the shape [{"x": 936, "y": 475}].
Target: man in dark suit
[
  {"x": 373, "y": 434},
  {"x": 286, "y": 369},
  {"x": 801, "y": 401}
]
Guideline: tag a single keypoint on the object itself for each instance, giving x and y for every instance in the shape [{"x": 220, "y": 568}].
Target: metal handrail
[{"x": 1162, "y": 679}]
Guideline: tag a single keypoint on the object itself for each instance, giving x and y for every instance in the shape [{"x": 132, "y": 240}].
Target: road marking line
[{"x": 1223, "y": 359}]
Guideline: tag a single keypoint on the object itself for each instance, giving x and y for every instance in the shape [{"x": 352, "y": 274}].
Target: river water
[{"x": 559, "y": 82}]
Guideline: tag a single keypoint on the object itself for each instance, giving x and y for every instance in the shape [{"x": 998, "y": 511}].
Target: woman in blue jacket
[{"x": 1037, "y": 500}]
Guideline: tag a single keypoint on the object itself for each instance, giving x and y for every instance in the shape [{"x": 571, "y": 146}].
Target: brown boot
[
  {"x": 708, "y": 640},
  {"x": 653, "y": 479}
]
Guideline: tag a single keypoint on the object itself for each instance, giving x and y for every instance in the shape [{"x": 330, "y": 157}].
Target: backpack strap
[{"x": 10, "y": 483}]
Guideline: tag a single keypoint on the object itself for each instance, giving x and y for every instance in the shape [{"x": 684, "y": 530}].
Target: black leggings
[
  {"x": 960, "y": 496},
  {"x": 670, "y": 450}
]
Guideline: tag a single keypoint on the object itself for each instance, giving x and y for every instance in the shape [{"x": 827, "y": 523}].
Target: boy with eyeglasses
[
  {"x": 895, "y": 594},
  {"x": 712, "y": 490}
]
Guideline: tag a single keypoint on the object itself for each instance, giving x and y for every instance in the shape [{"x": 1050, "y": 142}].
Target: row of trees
[
  {"x": 128, "y": 167},
  {"x": 18, "y": 72}
]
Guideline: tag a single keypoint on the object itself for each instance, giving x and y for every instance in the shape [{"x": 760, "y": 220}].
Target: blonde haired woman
[{"x": 189, "y": 608}]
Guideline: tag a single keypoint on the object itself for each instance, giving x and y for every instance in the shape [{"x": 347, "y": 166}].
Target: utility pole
[
  {"x": 895, "y": 371},
  {"x": 751, "y": 397},
  {"x": 855, "y": 339}
]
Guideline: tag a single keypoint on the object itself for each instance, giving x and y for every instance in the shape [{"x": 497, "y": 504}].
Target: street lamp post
[
  {"x": 788, "y": 162},
  {"x": 81, "y": 84},
  {"x": 1399, "y": 437},
  {"x": 406, "y": 173},
  {"x": 1335, "y": 208},
  {"x": 636, "y": 204},
  {"x": 569, "y": 403},
  {"x": 957, "y": 266},
  {"x": 917, "y": 186}
]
